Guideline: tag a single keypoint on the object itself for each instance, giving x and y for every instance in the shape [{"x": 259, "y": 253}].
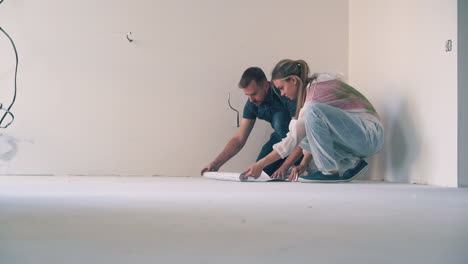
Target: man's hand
[
  {"x": 254, "y": 171},
  {"x": 234, "y": 145},
  {"x": 210, "y": 167}
]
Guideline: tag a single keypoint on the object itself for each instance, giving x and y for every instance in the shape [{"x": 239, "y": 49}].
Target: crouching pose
[{"x": 334, "y": 122}]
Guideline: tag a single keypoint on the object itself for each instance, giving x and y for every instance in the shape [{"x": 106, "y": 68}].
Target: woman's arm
[
  {"x": 296, "y": 133},
  {"x": 298, "y": 170},
  {"x": 282, "y": 149}
]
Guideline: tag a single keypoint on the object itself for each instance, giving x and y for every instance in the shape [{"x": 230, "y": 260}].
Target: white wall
[
  {"x": 462, "y": 93},
  {"x": 397, "y": 58},
  {"x": 89, "y": 102}
]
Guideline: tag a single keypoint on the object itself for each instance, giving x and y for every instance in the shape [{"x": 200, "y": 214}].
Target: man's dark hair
[{"x": 252, "y": 74}]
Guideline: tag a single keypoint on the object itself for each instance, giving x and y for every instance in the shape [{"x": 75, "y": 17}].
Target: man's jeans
[{"x": 280, "y": 123}]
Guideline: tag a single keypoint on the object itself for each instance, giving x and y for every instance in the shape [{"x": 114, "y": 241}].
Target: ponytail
[{"x": 285, "y": 69}]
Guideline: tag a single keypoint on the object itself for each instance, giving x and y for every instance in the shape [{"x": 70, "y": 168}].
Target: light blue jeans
[{"x": 337, "y": 138}]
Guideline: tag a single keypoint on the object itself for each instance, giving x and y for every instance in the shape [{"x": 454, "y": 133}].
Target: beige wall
[
  {"x": 397, "y": 57},
  {"x": 89, "y": 102}
]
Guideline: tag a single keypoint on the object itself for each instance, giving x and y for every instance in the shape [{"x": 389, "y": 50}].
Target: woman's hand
[
  {"x": 254, "y": 171},
  {"x": 280, "y": 173},
  {"x": 296, "y": 172}
]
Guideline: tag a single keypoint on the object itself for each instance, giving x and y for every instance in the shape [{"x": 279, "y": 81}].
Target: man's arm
[{"x": 234, "y": 145}]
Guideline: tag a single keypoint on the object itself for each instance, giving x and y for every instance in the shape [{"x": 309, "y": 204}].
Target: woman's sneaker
[
  {"x": 320, "y": 177},
  {"x": 348, "y": 175},
  {"x": 352, "y": 173}
]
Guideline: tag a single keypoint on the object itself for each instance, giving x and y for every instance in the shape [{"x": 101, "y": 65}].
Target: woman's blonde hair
[{"x": 285, "y": 69}]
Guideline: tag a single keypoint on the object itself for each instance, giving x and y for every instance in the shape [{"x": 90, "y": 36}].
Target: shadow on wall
[{"x": 401, "y": 147}]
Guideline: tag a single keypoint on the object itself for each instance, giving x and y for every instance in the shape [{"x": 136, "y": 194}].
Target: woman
[{"x": 333, "y": 122}]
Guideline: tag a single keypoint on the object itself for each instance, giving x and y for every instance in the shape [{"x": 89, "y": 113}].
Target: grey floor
[{"x": 194, "y": 220}]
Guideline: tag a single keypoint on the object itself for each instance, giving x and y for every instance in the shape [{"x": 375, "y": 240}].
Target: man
[{"x": 264, "y": 103}]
